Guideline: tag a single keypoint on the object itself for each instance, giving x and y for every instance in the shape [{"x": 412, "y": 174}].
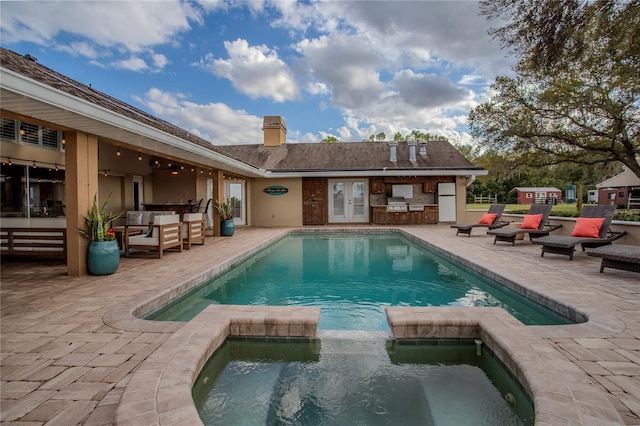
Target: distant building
[
  {"x": 538, "y": 195},
  {"x": 622, "y": 190}
]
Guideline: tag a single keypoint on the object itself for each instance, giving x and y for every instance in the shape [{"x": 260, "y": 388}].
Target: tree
[
  {"x": 330, "y": 139},
  {"x": 575, "y": 97}
]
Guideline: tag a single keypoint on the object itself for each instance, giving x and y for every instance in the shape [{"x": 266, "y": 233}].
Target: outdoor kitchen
[{"x": 409, "y": 200}]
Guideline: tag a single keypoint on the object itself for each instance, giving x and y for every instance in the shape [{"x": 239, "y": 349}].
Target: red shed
[{"x": 538, "y": 195}]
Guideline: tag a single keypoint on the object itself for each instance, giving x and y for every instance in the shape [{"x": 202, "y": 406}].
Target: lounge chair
[
  {"x": 166, "y": 233},
  {"x": 566, "y": 245},
  {"x": 492, "y": 219},
  {"x": 192, "y": 229},
  {"x": 618, "y": 256},
  {"x": 535, "y": 223}
]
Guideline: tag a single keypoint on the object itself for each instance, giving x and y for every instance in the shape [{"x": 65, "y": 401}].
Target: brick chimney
[{"x": 275, "y": 130}]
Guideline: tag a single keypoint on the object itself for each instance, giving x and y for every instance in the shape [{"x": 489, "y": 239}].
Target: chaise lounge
[
  {"x": 492, "y": 219},
  {"x": 591, "y": 230},
  {"x": 535, "y": 223},
  {"x": 618, "y": 256}
]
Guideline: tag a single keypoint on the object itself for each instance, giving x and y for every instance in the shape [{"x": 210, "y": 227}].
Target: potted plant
[
  {"x": 225, "y": 211},
  {"x": 103, "y": 254}
]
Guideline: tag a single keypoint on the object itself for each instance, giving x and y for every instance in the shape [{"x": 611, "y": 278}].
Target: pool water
[
  {"x": 353, "y": 277},
  {"x": 357, "y": 382}
]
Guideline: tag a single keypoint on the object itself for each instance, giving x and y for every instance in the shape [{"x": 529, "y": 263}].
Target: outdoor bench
[{"x": 34, "y": 242}]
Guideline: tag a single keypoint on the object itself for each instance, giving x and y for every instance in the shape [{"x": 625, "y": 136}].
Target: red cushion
[
  {"x": 487, "y": 218},
  {"x": 588, "y": 227},
  {"x": 531, "y": 221}
]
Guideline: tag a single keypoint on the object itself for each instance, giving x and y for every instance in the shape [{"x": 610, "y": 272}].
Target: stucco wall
[
  {"x": 276, "y": 210},
  {"x": 25, "y": 154},
  {"x": 170, "y": 188}
]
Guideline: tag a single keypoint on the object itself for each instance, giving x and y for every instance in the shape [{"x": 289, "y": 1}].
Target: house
[
  {"x": 63, "y": 141},
  {"x": 622, "y": 190},
  {"x": 538, "y": 195}
]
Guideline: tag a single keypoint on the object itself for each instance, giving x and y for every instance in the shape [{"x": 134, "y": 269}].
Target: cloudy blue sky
[{"x": 348, "y": 69}]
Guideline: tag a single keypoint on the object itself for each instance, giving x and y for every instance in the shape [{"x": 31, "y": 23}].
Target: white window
[{"x": 25, "y": 133}]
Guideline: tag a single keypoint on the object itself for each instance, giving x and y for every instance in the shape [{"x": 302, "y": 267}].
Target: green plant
[
  {"x": 98, "y": 222},
  {"x": 225, "y": 209}
]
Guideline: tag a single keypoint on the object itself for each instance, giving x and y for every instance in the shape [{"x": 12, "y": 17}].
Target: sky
[{"x": 348, "y": 69}]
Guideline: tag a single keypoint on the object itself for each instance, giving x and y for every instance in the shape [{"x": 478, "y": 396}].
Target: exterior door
[
  {"x": 138, "y": 192},
  {"x": 348, "y": 200},
  {"x": 234, "y": 190},
  {"x": 314, "y": 201}
]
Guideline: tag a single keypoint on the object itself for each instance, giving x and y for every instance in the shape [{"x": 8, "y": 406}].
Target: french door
[
  {"x": 235, "y": 190},
  {"x": 348, "y": 200}
]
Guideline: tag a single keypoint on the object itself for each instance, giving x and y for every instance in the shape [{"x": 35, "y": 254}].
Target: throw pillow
[
  {"x": 531, "y": 221},
  {"x": 134, "y": 218},
  {"x": 588, "y": 227},
  {"x": 487, "y": 218}
]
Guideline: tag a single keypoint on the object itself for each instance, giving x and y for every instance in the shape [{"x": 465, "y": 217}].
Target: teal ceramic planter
[
  {"x": 227, "y": 227},
  {"x": 103, "y": 257}
]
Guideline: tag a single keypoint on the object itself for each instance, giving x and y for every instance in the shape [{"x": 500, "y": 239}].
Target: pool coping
[{"x": 159, "y": 391}]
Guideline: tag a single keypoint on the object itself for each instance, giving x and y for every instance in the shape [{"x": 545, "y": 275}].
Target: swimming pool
[
  {"x": 372, "y": 382},
  {"x": 352, "y": 277}
]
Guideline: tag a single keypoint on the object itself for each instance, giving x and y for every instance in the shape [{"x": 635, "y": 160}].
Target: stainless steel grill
[{"x": 396, "y": 204}]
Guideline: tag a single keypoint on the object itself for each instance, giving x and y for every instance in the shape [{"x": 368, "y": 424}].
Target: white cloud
[
  {"x": 428, "y": 90},
  {"x": 80, "y": 48},
  {"x": 255, "y": 71},
  {"x": 215, "y": 122},
  {"x": 131, "y": 64},
  {"x": 131, "y": 26},
  {"x": 347, "y": 65},
  {"x": 159, "y": 60}
]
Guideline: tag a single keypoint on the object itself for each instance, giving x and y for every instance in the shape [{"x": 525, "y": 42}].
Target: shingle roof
[{"x": 348, "y": 156}]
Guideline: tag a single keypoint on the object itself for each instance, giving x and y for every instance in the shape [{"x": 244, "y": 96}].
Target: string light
[
  {"x": 118, "y": 152},
  {"x": 63, "y": 141},
  {"x": 139, "y": 157},
  {"x": 56, "y": 167},
  {"x": 34, "y": 165}
]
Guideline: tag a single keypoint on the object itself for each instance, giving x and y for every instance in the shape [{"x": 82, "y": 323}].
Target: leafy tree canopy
[
  {"x": 575, "y": 97},
  {"x": 330, "y": 139},
  {"x": 415, "y": 135}
]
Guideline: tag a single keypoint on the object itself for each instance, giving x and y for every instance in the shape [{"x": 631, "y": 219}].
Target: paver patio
[{"x": 67, "y": 350}]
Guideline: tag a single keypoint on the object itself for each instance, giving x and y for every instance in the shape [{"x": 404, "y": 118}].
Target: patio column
[
  {"x": 218, "y": 194},
  {"x": 81, "y": 184}
]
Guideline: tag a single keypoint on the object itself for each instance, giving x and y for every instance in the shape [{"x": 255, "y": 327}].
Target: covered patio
[{"x": 70, "y": 345}]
